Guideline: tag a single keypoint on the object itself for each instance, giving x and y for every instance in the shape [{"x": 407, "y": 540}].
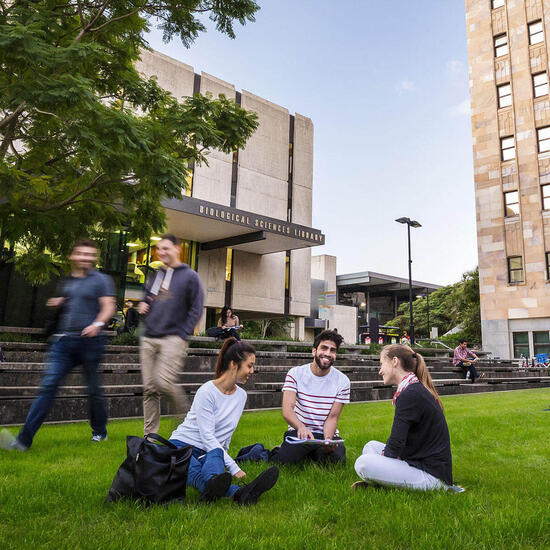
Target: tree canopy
[
  {"x": 450, "y": 306},
  {"x": 87, "y": 144}
]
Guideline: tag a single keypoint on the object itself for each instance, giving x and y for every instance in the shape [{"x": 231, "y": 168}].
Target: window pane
[
  {"x": 515, "y": 262},
  {"x": 544, "y": 145},
  {"x": 541, "y": 337},
  {"x": 541, "y": 78},
  {"x": 546, "y": 190},
  {"x": 516, "y": 276},
  {"x": 546, "y": 203},
  {"x": 509, "y": 154},
  {"x": 503, "y": 90},
  {"x": 501, "y": 50},
  {"x": 544, "y": 133},
  {"x": 535, "y": 27},
  {"x": 511, "y": 197},
  {"x": 521, "y": 338},
  {"x": 521, "y": 344},
  {"x": 501, "y": 40},
  {"x": 497, "y": 3},
  {"x": 541, "y": 90},
  {"x": 506, "y": 143}
]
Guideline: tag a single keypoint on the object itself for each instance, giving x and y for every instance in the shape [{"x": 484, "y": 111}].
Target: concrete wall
[
  {"x": 263, "y": 163},
  {"x": 212, "y": 273},
  {"x": 171, "y": 74},
  {"x": 259, "y": 282},
  {"x": 300, "y": 282},
  {"x": 262, "y": 187},
  {"x": 344, "y": 318},
  {"x": 212, "y": 182}
]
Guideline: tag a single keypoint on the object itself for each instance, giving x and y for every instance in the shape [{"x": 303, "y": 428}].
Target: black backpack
[{"x": 152, "y": 473}]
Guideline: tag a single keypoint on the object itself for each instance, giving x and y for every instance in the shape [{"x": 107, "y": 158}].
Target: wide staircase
[{"x": 20, "y": 378}]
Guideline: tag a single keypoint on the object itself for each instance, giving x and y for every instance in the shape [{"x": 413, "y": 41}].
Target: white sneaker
[
  {"x": 98, "y": 438},
  {"x": 9, "y": 442}
]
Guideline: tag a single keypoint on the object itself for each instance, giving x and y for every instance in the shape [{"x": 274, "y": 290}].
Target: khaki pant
[{"x": 162, "y": 362}]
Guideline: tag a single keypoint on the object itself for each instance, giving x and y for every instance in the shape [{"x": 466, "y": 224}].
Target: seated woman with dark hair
[
  {"x": 417, "y": 454},
  {"x": 229, "y": 323},
  {"x": 210, "y": 424},
  {"x": 228, "y": 326}
]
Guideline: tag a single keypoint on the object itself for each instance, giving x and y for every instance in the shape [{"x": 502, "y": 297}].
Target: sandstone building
[{"x": 508, "y": 58}]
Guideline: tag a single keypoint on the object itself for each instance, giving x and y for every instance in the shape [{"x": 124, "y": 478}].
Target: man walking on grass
[
  {"x": 86, "y": 299},
  {"x": 314, "y": 396},
  {"x": 172, "y": 306}
]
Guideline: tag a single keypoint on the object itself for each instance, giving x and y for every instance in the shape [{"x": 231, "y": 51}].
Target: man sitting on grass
[{"x": 313, "y": 397}]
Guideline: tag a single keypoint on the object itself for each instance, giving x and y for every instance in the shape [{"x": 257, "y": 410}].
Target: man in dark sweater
[{"x": 172, "y": 305}]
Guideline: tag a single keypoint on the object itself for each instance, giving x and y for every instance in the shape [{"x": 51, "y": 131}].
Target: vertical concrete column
[{"x": 300, "y": 328}]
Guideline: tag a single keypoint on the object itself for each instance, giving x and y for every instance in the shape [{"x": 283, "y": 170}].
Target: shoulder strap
[{"x": 160, "y": 439}]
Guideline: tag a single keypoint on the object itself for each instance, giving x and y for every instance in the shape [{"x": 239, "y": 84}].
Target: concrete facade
[
  {"x": 272, "y": 176},
  {"x": 507, "y": 48},
  {"x": 341, "y": 317}
]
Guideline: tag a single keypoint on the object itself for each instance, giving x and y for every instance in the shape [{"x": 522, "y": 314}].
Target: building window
[
  {"x": 548, "y": 265},
  {"x": 511, "y": 203},
  {"x": 497, "y": 4},
  {"x": 545, "y": 190},
  {"x": 501, "y": 45},
  {"x": 541, "y": 341},
  {"x": 504, "y": 95},
  {"x": 536, "y": 34},
  {"x": 521, "y": 344},
  {"x": 543, "y": 138},
  {"x": 507, "y": 148},
  {"x": 229, "y": 265},
  {"x": 540, "y": 84},
  {"x": 515, "y": 269}
]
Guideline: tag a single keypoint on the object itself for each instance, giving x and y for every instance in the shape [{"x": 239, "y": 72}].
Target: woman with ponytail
[
  {"x": 210, "y": 424},
  {"x": 417, "y": 454}
]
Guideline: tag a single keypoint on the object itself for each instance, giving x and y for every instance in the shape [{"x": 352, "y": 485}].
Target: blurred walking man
[
  {"x": 86, "y": 299},
  {"x": 173, "y": 304}
]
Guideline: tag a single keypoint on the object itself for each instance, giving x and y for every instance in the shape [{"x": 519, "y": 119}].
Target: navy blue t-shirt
[{"x": 82, "y": 295}]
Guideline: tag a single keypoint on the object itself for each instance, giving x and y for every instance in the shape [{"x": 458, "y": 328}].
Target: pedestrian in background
[
  {"x": 86, "y": 299},
  {"x": 172, "y": 306}
]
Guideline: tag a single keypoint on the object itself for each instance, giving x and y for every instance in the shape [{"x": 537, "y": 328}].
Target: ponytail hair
[
  {"x": 413, "y": 362},
  {"x": 232, "y": 350}
]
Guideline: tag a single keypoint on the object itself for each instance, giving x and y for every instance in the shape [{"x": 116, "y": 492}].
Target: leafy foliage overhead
[{"x": 86, "y": 142}]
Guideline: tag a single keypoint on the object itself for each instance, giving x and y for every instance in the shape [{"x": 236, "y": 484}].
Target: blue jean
[
  {"x": 466, "y": 368},
  {"x": 203, "y": 466},
  {"x": 63, "y": 356}
]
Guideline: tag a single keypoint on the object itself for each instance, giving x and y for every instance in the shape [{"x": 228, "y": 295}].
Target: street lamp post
[{"x": 410, "y": 223}]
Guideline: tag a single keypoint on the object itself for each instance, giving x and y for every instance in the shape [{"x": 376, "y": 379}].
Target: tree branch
[
  {"x": 70, "y": 200},
  {"x": 7, "y": 119},
  {"x": 129, "y": 14},
  {"x": 93, "y": 20}
]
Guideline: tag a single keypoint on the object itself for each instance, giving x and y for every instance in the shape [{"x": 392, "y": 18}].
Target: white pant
[{"x": 392, "y": 472}]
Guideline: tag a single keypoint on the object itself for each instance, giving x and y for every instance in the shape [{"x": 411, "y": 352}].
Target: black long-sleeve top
[{"x": 419, "y": 434}]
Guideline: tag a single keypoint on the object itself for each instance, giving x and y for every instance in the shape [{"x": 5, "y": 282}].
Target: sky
[{"x": 386, "y": 85}]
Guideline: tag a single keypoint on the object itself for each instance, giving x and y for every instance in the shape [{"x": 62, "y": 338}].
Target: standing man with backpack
[
  {"x": 172, "y": 306},
  {"x": 86, "y": 299}
]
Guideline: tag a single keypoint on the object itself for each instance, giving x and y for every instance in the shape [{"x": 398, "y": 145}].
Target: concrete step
[{"x": 71, "y": 407}]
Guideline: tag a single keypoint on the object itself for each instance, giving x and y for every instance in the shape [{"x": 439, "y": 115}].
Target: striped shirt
[{"x": 315, "y": 395}]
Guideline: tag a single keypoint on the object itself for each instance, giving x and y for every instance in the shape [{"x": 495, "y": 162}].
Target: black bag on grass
[{"x": 151, "y": 472}]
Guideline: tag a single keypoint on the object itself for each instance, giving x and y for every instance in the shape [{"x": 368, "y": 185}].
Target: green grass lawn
[{"x": 52, "y": 496}]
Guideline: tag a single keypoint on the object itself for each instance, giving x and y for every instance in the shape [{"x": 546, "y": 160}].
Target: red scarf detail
[{"x": 411, "y": 378}]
